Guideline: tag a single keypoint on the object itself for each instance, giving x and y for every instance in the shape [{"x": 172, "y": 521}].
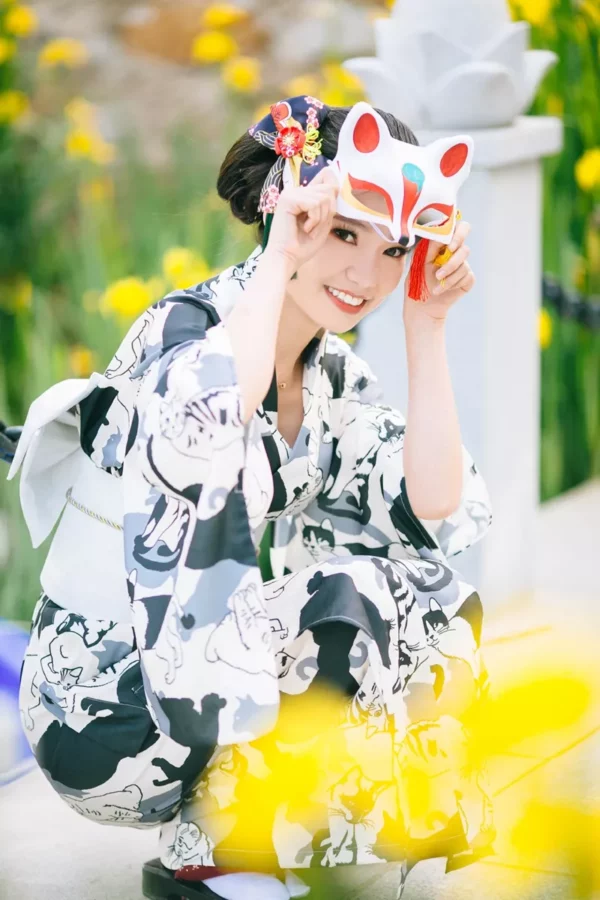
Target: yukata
[{"x": 166, "y": 709}]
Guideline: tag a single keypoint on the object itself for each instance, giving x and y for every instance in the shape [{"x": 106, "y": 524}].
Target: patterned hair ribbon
[{"x": 291, "y": 130}]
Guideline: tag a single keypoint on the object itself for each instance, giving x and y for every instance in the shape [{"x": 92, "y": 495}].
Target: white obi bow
[{"x": 49, "y": 449}]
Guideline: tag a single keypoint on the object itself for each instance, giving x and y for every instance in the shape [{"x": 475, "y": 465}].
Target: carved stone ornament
[{"x": 452, "y": 64}]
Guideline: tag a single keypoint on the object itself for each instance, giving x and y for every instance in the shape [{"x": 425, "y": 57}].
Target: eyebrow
[{"x": 355, "y": 223}]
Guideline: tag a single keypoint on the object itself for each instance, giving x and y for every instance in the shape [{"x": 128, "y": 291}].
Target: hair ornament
[{"x": 291, "y": 130}]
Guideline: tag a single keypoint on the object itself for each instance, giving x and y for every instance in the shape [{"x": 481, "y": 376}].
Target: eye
[{"x": 401, "y": 251}]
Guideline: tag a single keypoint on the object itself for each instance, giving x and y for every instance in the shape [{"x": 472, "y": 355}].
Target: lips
[{"x": 345, "y": 307}]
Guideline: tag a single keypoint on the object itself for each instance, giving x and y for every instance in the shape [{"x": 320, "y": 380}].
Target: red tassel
[{"x": 417, "y": 282}]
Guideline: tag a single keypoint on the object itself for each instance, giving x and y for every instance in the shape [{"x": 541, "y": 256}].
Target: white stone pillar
[{"x": 493, "y": 348}]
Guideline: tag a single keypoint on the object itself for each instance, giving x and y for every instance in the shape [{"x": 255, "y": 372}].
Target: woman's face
[{"x": 354, "y": 259}]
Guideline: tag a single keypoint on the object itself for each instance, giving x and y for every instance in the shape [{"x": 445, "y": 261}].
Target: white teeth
[{"x": 351, "y": 301}]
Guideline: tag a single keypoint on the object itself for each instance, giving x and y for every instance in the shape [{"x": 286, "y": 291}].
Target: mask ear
[
  {"x": 362, "y": 134},
  {"x": 453, "y": 156},
  {"x": 366, "y": 134}
]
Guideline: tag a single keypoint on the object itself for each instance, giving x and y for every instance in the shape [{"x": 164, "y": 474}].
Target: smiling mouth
[{"x": 346, "y": 307}]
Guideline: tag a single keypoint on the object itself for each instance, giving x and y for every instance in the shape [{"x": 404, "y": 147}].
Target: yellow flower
[
  {"x": 157, "y": 288},
  {"x": 587, "y": 170},
  {"x": 336, "y": 74},
  {"x": 20, "y": 21},
  {"x": 80, "y": 112},
  {"x": 126, "y": 298},
  {"x": 221, "y": 15},
  {"x": 591, "y": 8},
  {"x": 555, "y": 105},
  {"x": 16, "y": 294},
  {"x": 81, "y": 360},
  {"x": 242, "y": 73},
  {"x": 545, "y": 328},
  {"x": 333, "y": 96},
  {"x": 13, "y": 105},
  {"x": 580, "y": 273},
  {"x": 535, "y": 11},
  {"x": 97, "y": 190},
  {"x": 81, "y": 143},
  {"x": 182, "y": 267},
  {"x": 213, "y": 47},
  {"x": 302, "y": 84},
  {"x": 341, "y": 88},
  {"x": 7, "y": 49},
  {"x": 63, "y": 52},
  {"x": 176, "y": 260},
  {"x": 103, "y": 153},
  {"x": 23, "y": 293}
]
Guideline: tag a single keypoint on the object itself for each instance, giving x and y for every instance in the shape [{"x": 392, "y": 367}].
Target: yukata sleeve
[
  {"x": 194, "y": 583},
  {"x": 377, "y": 431}
]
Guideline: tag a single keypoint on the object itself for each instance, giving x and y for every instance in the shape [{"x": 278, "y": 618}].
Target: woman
[{"x": 316, "y": 719}]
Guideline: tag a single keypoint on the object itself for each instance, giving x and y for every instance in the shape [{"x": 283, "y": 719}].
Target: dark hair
[{"x": 247, "y": 164}]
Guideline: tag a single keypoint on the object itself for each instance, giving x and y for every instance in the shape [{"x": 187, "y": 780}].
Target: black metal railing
[{"x": 571, "y": 304}]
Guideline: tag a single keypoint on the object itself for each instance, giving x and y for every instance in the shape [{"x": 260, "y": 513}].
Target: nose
[{"x": 363, "y": 274}]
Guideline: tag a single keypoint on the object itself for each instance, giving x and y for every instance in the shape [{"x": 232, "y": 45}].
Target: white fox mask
[{"x": 419, "y": 184}]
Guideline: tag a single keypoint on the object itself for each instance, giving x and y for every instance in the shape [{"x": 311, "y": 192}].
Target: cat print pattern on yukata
[
  {"x": 319, "y": 539},
  {"x": 191, "y": 846},
  {"x": 353, "y": 552}
]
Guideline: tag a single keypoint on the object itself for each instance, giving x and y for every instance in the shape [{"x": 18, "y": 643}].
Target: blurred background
[{"x": 114, "y": 118}]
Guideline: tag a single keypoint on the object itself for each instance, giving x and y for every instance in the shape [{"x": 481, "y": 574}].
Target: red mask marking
[
  {"x": 453, "y": 160},
  {"x": 366, "y": 134}
]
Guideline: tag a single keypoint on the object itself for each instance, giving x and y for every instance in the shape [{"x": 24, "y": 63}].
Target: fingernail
[{"x": 440, "y": 274}]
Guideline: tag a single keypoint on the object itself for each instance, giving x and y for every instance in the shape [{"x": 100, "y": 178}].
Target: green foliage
[
  {"x": 570, "y": 368},
  {"x": 71, "y": 226}
]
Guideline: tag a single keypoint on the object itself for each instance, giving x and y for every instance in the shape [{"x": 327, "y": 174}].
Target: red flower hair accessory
[
  {"x": 289, "y": 141},
  {"x": 291, "y": 130}
]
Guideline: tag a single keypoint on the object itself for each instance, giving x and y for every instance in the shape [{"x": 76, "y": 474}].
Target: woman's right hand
[{"x": 303, "y": 217}]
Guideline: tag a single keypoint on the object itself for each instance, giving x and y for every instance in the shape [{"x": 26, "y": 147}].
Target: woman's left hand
[{"x": 452, "y": 281}]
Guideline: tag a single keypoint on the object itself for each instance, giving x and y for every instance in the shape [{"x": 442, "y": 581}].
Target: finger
[
  {"x": 463, "y": 280},
  {"x": 324, "y": 177},
  {"x": 460, "y": 235},
  {"x": 321, "y": 231},
  {"x": 454, "y": 263},
  {"x": 314, "y": 217},
  {"x": 450, "y": 283},
  {"x": 453, "y": 281},
  {"x": 320, "y": 211},
  {"x": 325, "y": 217},
  {"x": 332, "y": 208},
  {"x": 328, "y": 175},
  {"x": 322, "y": 189},
  {"x": 468, "y": 282}
]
